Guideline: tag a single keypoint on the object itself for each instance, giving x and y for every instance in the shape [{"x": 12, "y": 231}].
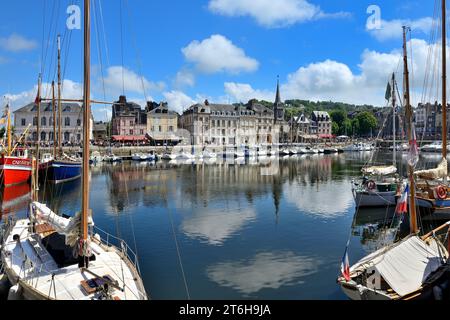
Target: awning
[
  {"x": 129, "y": 138},
  {"x": 163, "y": 137},
  {"x": 326, "y": 136},
  {"x": 405, "y": 266}
]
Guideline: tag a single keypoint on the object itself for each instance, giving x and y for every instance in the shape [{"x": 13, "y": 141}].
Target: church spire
[{"x": 278, "y": 97}]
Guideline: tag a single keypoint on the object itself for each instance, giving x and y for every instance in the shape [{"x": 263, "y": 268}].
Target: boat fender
[
  {"x": 15, "y": 293},
  {"x": 371, "y": 185},
  {"x": 441, "y": 192}
]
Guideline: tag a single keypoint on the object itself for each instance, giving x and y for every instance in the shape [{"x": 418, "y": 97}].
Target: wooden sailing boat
[
  {"x": 62, "y": 168},
  {"x": 48, "y": 257},
  {"x": 409, "y": 269},
  {"x": 433, "y": 189},
  {"x": 380, "y": 187}
]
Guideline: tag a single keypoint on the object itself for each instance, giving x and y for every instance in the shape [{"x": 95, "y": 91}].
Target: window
[
  {"x": 67, "y": 122},
  {"x": 78, "y": 137},
  {"x": 66, "y": 136},
  {"x": 160, "y": 129},
  {"x": 142, "y": 132},
  {"x": 43, "y": 121},
  {"x": 35, "y": 122},
  {"x": 23, "y": 121},
  {"x": 131, "y": 123},
  {"x": 43, "y": 136},
  {"x": 170, "y": 128},
  {"x": 78, "y": 123},
  {"x": 131, "y": 132},
  {"x": 153, "y": 128}
]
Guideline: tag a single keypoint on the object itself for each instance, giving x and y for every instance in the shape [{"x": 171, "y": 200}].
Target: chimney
[
  {"x": 206, "y": 102},
  {"x": 122, "y": 99}
]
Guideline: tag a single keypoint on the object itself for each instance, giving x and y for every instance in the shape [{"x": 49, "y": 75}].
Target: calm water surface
[{"x": 273, "y": 229}]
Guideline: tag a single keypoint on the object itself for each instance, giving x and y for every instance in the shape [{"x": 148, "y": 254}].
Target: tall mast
[
  {"x": 444, "y": 81},
  {"x": 394, "y": 100},
  {"x": 412, "y": 186},
  {"x": 59, "y": 98},
  {"x": 8, "y": 127},
  {"x": 38, "y": 134},
  {"x": 54, "y": 119},
  {"x": 86, "y": 119}
]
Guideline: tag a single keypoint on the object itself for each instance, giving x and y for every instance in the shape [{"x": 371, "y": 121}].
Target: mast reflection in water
[{"x": 271, "y": 229}]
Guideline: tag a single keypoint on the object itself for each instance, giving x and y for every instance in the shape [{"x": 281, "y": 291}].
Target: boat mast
[
  {"x": 54, "y": 119},
  {"x": 59, "y": 99},
  {"x": 412, "y": 187},
  {"x": 444, "y": 82},
  {"x": 38, "y": 138},
  {"x": 86, "y": 120},
  {"x": 394, "y": 100},
  {"x": 8, "y": 127}
]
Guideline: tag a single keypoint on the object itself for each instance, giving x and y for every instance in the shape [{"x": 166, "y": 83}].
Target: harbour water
[{"x": 274, "y": 228}]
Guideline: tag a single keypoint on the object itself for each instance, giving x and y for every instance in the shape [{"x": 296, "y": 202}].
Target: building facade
[
  {"x": 71, "y": 123},
  {"x": 321, "y": 124},
  {"x": 128, "y": 120},
  {"x": 162, "y": 124},
  {"x": 226, "y": 124},
  {"x": 100, "y": 131}
]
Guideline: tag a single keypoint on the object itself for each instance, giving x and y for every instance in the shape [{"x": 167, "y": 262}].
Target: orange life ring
[
  {"x": 371, "y": 185},
  {"x": 441, "y": 192}
]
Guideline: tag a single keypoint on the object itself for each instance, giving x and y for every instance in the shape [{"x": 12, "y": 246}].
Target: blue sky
[{"x": 223, "y": 50}]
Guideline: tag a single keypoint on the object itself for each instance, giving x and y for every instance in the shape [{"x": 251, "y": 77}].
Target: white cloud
[
  {"x": 266, "y": 270},
  {"x": 216, "y": 226},
  {"x": 70, "y": 90},
  {"x": 184, "y": 78},
  {"x": 218, "y": 54},
  {"x": 393, "y": 29},
  {"x": 242, "y": 92},
  {"x": 118, "y": 77},
  {"x": 16, "y": 43},
  {"x": 178, "y": 101},
  {"x": 270, "y": 13},
  {"x": 331, "y": 80}
]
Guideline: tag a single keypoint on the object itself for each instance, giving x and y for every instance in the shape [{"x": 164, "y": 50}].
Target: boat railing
[{"x": 110, "y": 240}]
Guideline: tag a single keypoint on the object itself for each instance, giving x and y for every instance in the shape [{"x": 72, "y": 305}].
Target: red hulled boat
[{"x": 14, "y": 170}]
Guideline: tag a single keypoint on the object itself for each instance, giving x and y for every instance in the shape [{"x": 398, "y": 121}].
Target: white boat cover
[
  {"x": 434, "y": 174},
  {"x": 68, "y": 227},
  {"x": 380, "y": 170},
  {"x": 406, "y": 265}
]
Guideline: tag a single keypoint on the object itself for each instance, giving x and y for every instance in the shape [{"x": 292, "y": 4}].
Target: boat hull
[
  {"x": 61, "y": 171},
  {"x": 15, "y": 170},
  {"x": 375, "y": 199}
]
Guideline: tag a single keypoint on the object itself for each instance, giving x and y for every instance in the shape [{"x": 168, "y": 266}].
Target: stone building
[
  {"x": 162, "y": 124},
  {"x": 321, "y": 124},
  {"x": 100, "y": 131},
  {"x": 71, "y": 124},
  {"x": 129, "y": 121}
]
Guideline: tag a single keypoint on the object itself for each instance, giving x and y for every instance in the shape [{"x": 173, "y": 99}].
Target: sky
[{"x": 225, "y": 51}]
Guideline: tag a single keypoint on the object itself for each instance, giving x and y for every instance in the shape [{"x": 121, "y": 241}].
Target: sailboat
[
  {"x": 49, "y": 257},
  {"x": 411, "y": 268},
  {"x": 380, "y": 187},
  {"x": 62, "y": 168},
  {"x": 15, "y": 165},
  {"x": 433, "y": 188}
]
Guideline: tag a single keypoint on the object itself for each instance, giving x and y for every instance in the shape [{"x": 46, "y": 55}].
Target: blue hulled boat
[{"x": 57, "y": 171}]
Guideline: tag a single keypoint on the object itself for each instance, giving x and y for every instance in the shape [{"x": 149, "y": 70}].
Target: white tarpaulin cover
[
  {"x": 380, "y": 171},
  {"x": 405, "y": 266},
  {"x": 433, "y": 174}
]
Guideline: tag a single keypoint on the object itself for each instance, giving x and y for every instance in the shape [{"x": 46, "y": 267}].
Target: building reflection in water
[{"x": 266, "y": 270}]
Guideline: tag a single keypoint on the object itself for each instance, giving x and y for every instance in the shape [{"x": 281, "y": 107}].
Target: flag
[
  {"x": 345, "y": 266},
  {"x": 413, "y": 155},
  {"x": 402, "y": 205},
  {"x": 388, "y": 92},
  {"x": 4, "y": 115}
]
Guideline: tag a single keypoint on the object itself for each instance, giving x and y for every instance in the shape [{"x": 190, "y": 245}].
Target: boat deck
[{"x": 41, "y": 278}]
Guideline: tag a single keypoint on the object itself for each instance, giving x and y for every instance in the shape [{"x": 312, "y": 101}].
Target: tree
[
  {"x": 336, "y": 129},
  {"x": 366, "y": 123}
]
